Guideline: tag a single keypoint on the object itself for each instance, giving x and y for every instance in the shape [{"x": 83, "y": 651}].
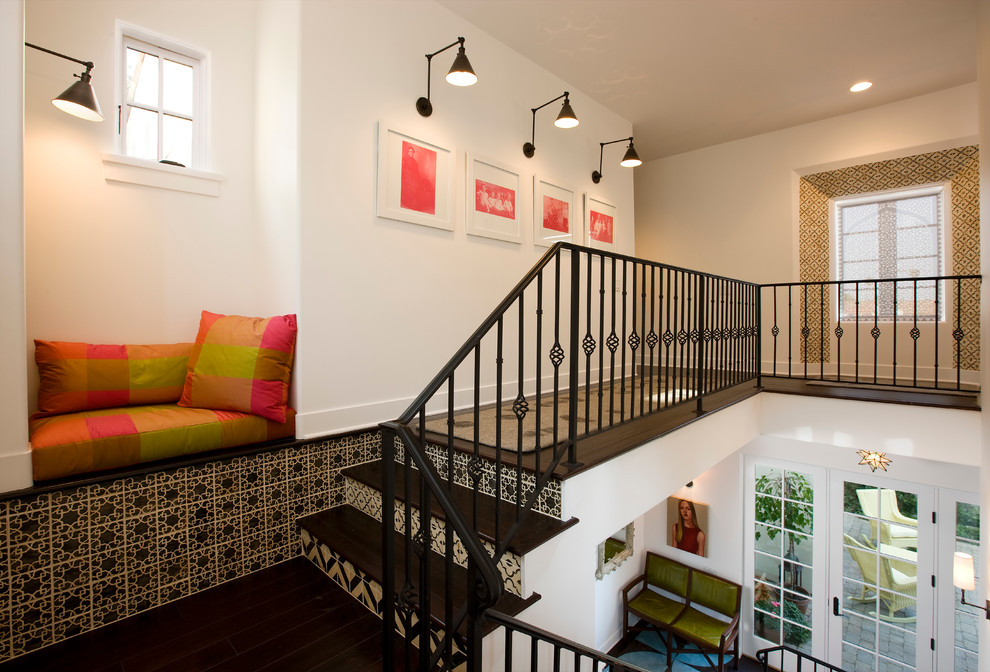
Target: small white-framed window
[
  {"x": 162, "y": 99},
  {"x": 893, "y": 235}
]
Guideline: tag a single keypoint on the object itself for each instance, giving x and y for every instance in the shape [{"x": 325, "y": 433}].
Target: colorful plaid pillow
[
  {"x": 241, "y": 364},
  {"x": 83, "y": 376}
]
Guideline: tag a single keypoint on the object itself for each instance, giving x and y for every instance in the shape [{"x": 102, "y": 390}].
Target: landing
[{"x": 599, "y": 448}]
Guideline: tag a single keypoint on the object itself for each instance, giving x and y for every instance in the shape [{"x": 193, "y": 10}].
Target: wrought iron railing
[
  {"x": 587, "y": 341},
  {"x": 537, "y": 645},
  {"x": 917, "y": 332},
  {"x": 802, "y": 662}
]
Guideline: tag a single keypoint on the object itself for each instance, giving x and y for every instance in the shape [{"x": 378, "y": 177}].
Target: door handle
[{"x": 835, "y": 607}]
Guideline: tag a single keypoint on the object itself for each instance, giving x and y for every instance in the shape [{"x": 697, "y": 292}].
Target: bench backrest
[
  {"x": 667, "y": 574},
  {"x": 715, "y": 593}
]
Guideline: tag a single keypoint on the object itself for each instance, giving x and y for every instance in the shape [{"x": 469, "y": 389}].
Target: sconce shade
[
  {"x": 630, "y": 159},
  {"x": 962, "y": 571},
  {"x": 80, "y": 99},
  {"x": 566, "y": 118},
  {"x": 461, "y": 73}
]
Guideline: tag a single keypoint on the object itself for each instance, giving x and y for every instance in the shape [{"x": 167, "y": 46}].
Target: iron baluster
[
  {"x": 938, "y": 314},
  {"x": 790, "y": 332},
  {"x": 572, "y": 405},
  {"x": 538, "y": 411},
  {"x": 893, "y": 335},
  {"x": 804, "y": 331},
  {"x": 556, "y": 353},
  {"x": 700, "y": 355},
  {"x": 915, "y": 334},
  {"x": 498, "y": 434},
  {"x": 601, "y": 338},
  {"x": 876, "y": 328},
  {"x": 857, "y": 333},
  {"x": 622, "y": 346},
  {"x": 958, "y": 334}
]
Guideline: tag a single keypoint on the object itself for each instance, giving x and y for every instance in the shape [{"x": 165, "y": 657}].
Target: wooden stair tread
[
  {"x": 536, "y": 530},
  {"x": 357, "y": 538}
]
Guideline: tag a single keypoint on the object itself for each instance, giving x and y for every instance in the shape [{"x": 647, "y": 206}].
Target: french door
[{"x": 882, "y": 574}]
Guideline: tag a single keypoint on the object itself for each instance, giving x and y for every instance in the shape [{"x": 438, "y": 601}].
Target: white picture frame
[
  {"x": 599, "y": 223},
  {"x": 415, "y": 179},
  {"x": 555, "y": 213},
  {"x": 492, "y": 200}
]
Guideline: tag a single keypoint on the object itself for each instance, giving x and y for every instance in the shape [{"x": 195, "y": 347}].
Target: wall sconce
[
  {"x": 79, "y": 99},
  {"x": 873, "y": 459},
  {"x": 964, "y": 579},
  {"x": 461, "y": 74},
  {"x": 566, "y": 119},
  {"x": 629, "y": 160}
]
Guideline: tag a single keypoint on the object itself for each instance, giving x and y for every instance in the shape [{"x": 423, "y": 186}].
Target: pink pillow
[{"x": 241, "y": 364}]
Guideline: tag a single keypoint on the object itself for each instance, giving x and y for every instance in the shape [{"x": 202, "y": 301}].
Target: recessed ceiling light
[{"x": 860, "y": 86}]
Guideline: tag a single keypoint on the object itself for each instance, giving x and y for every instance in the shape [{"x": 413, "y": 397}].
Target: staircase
[
  {"x": 434, "y": 535},
  {"x": 346, "y": 543}
]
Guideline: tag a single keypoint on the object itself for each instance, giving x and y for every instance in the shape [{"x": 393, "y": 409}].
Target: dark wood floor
[{"x": 287, "y": 618}]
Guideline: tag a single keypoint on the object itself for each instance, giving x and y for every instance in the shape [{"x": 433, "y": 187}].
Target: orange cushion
[
  {"x": 84, "y": 376},
  {"x": 241, "y": 364}
]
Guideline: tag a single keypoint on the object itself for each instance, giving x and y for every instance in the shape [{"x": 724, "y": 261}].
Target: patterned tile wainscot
[{"x": 77, "y": 558}]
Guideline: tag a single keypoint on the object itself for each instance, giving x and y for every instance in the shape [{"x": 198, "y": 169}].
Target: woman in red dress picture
[{"x": 685, "y": 533}]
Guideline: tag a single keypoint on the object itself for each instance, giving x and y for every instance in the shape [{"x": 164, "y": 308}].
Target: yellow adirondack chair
[
  {"x": 896, "y": 529},
  {"x": 896, "y": 589}
]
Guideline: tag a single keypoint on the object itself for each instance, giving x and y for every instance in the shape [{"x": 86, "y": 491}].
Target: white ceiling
[{"x": 693, "y": 73}]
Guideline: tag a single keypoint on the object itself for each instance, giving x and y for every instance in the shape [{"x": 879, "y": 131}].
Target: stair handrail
[{"x": 488, "y": 588}]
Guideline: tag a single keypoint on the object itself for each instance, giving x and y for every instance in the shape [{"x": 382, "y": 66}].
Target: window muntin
[
  {"x": 894, "y": 235},
  {"x": 161, "y": 111},
  {"x": 783, "y": 556}
]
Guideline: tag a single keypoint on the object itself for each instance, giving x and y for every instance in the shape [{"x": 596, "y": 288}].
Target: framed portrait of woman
[{"x": 687, "y": 525}]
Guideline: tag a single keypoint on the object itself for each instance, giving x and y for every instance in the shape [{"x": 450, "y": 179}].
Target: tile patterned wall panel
[
  {"x": 960, "y": 167},
  {"x": 81, "y": 557}
]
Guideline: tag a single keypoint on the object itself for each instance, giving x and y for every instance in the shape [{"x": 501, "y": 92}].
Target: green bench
[{"x": 668, "y": 600}]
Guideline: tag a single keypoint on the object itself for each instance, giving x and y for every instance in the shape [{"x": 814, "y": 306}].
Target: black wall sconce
[
  {"x": 566, "y": 119},
  {"x": 461, "y": 74},
  {"x": 629, "y": 160},
  {"x": 79, "y": 99}
]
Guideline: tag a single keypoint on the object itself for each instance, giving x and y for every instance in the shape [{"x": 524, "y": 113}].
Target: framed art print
[
  {"x": 599, "y": 223},
  {"x": 555, "y": 217},
  {"x": 493, "y": 200},
  {"x": 414, "y": 179}
]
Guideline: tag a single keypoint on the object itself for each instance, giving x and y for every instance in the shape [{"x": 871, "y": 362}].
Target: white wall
[
  {"x": 732, "y": 209},
  {"x": 386, "y": 303},
  {"x": 719, "y": 487},
  {"x": 15, "y": 463},
  {"x": 609, "y": 497},
  {"x": 120, "y": 263}
]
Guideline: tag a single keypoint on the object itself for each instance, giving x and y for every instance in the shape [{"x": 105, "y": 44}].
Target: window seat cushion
[{"x": 87, "y": 441}]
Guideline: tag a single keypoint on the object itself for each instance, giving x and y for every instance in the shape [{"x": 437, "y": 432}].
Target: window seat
[{"x": 87, "y": 441}]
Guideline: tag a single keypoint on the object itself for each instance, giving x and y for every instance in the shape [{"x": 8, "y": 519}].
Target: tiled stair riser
[
  {"x": 548, "y": 503},
  {"x": 82, "y": 557},
  {"x": 369, "y": 501},
  {"x": 368, "y": 592}
]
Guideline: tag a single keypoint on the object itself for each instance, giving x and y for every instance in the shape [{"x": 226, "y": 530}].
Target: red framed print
[
  {"x": 599, "y": 223},
  {"x": 555, "y": 215},
  {"x": 493, "y": 200},
  {"x": 414, "y": 179}
]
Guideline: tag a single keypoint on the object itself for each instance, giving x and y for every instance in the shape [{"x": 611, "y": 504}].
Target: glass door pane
[{"x": 879, "y": 565}]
